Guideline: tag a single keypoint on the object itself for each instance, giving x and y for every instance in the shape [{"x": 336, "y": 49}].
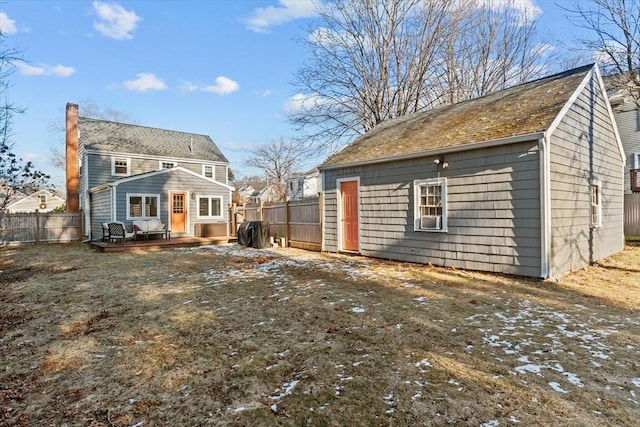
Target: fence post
[
  {"x": 286, "y": 222},
  {"x": 37, "y": 231},
  {"x": 261, "y": 212}
]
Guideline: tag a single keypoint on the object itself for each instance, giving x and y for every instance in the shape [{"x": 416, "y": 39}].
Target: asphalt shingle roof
[
  {"x": 102, "y": 135},
  {"x": 527, "y": 108}
]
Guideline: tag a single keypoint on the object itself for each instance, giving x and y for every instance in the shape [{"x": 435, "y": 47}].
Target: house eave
[
  {"x": 535, "y": 136},
  {"x": 154, "y": 157}
]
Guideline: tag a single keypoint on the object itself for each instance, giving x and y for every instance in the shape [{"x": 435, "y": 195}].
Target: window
[
  {"x": 209, "y": 207},
  {"x": 120, "y": 166},
  {"x": 430, "y": 205},
  {"x": 596, "y": 203},
  {"x": 143, "y": 206},
  {"x": 167, "y": 165},
  {"x": 43, "y": 198},
  {"x": 207, "y": 171}
]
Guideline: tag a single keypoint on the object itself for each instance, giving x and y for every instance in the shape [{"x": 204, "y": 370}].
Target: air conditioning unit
[{"x": 431, "y": 221}]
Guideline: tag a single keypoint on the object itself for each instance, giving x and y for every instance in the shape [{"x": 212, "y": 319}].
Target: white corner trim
[{"x": 545, "y": 208}]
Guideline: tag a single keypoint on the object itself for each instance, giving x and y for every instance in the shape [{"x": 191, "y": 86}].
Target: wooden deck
[{"x": 159, "y": 244}]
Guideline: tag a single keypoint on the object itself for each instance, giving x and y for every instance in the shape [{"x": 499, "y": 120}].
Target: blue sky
[{"x": 220, "y": 67}]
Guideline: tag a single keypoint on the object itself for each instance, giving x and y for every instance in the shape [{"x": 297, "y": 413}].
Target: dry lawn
[{"x": 231, "y": 336}]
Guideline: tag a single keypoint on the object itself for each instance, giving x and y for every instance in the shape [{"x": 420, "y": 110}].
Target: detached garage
[{"x": 525, "y": 181}]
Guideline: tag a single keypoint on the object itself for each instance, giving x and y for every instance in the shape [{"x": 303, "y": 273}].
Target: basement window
[{"x": 430, "y": 205}]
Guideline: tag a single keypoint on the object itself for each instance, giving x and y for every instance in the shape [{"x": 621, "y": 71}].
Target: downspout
[{"x": 545, "y": 207}]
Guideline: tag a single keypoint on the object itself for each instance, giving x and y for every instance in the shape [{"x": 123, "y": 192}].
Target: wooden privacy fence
[
  {"x": 36, "y": 227},
  {"x": 632, "y": 214},
  {"x": 298, "y": 222}
]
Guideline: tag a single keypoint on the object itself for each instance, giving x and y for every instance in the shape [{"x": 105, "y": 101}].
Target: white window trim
[
  {"x": 113, "y": 166},
  {"x": 209, "y": 216},
  {"x": 213, "y": 171},
  {"x": 160, "y": 162},
  {"x": 144, "y": 196},
  {"x": 635, "y": 161},
  {"x": 598, "y": 184},
  {"x": 416, "y": 204}
]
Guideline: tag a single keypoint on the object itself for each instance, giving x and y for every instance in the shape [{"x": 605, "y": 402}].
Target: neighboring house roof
[
  {"x": 521, "y": 110},
  {"x": 32, "y": 202},
  {"x": 101, "y": 135}
]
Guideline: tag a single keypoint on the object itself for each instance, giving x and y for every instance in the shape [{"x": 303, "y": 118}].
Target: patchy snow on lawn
[{"x": 535, "y": 341}]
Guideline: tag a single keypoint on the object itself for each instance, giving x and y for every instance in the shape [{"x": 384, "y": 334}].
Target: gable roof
[
  {"x": 102, "y": 135},
  {"x": 525, "y": 109}
]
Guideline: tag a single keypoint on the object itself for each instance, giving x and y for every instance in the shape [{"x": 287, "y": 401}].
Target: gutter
[{"x": 439, "y": 151}]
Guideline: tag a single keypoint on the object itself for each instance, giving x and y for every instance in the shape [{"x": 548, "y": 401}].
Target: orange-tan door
[
  {"x": 178, "y": 212},
  {"x": 349, "y": 215}
]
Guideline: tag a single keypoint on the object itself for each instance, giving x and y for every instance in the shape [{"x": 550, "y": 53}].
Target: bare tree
[
  {"x": 278, "y": 160},
  {"x": 614, "y": 35},
  {"x": 373, "y": 60},
  {"x": 369, "y": 62},
  {"x": 16, "y": 175},
  {"x": 489, "y": 46},
  {"x": 88, "y": 108}
]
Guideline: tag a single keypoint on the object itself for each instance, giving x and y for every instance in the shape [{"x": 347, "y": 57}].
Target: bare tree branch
[
  {"x": 370, "y": 61},
  {"x": 17, "y": 177},
  {"x": 278, "y": 160}
]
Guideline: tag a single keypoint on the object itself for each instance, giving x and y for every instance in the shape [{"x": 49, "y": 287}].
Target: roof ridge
[{"x": 141, "y": 126}]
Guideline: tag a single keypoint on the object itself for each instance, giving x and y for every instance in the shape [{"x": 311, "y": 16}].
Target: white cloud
[
  {"x": 44, "y": 69},
  {"x": 263, "y": 18},
  {"x": 300, "y": 101},
  {"x": 7, "y": 25},
  {"x": 527, "y": 9},
  {"x": 114, "y": 21},
  {"x": 144, "y": 82},
  {"x": 187, "y": 86},
  {"x": 223, "y": 86}
]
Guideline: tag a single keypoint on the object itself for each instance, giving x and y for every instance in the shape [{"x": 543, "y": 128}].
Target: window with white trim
[
  {"x": 430, "y": 205},
  {"x": 207, "y": 171},
  {"x": 209, "y": 207},
  {"x": 167, "y": 165},
  {"x": 43, "y": 198},
  {"x": 596, "y": 203},
  {"x": 120, "y": 166},
  {"x": 143, "y": 206}
]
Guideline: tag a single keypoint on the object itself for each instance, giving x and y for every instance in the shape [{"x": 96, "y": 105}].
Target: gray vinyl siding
[
  {"x": 493, "y": 210},
  {"x": 100, "y": 206},
  {"x": 628, "y": 122},
  {"x": 221, "y": 174},
  {"x": 163, "y": 184},
  {"x": 581, "y": 147},
  {"x": 100, "y": 168}
]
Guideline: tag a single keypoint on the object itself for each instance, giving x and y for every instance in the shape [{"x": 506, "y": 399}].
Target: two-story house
[
  {"x": 304, "y": 186},
  {"x": 124, "y": 172}
]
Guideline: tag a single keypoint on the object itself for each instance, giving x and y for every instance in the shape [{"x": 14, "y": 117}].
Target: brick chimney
[{"x": 73, "y": 199}]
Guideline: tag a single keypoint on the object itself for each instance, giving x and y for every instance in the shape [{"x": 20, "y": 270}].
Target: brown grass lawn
[{"x": 231, "y": 336}]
